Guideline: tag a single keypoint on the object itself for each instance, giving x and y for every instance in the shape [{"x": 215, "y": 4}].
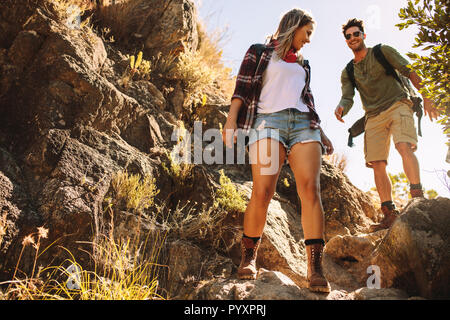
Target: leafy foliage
[
  {"x": 228, "y": 197},
  {"x": 432, "y": 17},
  {"x": 400, "y": 188}
]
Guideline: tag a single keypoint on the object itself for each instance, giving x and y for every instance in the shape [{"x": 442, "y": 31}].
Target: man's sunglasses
[{"x": 356, "y": 34}]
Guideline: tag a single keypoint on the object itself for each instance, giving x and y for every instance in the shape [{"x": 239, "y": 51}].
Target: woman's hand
[
  {"x": 229, "y": 136},
  {"x": 327, "y": 143},
  {"x": 229, "y": 130},
  {"x": 313, "y": 124}
]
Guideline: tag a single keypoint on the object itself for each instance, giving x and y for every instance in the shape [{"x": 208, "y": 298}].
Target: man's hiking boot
[
  {"x": 416, "y": 193},
  {"x": 247, "y": 267},
  {"x": 316, "y": 280},
  {"x": 390, "y": 214},
  {"x": 416, "y": 190}
]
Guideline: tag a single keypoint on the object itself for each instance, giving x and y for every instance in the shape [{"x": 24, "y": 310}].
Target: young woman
[{"x": 273, "y": 102}]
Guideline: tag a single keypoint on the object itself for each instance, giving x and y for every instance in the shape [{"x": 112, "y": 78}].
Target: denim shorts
[{"x": 288, "y": 126}]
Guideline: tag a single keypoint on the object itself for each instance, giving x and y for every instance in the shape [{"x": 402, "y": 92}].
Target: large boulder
[
  {"x": 415, "y": 253},
  {"x": 175, "y": 30},
  {"x": 348, "y": 210},
  {"x": 166, "y": 27},
  {"x": 270, "y": 285},
  {"x": 69, "y": 174},
  {"x": 54, "y": 81}
]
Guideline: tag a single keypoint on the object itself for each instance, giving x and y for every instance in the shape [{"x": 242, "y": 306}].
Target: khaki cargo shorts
[{"x": 397, "y": 121}]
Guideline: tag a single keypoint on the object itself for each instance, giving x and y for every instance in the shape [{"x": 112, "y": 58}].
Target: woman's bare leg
[
  {"x": 267, "y": 157},
  {"x": 305, "y": 160}
]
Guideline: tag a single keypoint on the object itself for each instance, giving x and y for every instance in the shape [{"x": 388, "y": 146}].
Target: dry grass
[
  {"x": 202, "y": 71},
  {"x": 2, "y": 226},
  {"x": 209, "y": 49},
  {"x": 191, "y": 221},
  {"x": 180, "y": 172},
  {"x": 121, "y": 273},
  {"x": 123, "y": 270},
  {"x": 122, "y": 17},
  {"x": 340, "y": 161},
  {"x": 132, "y": 192}
]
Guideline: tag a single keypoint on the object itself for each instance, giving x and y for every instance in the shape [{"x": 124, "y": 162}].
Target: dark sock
[
  {"x": 415, "y": 186},
  {"x": 314, "y": 241},
  {"x": 390, "y": 204},
  {"x": 255, "y": 239}
]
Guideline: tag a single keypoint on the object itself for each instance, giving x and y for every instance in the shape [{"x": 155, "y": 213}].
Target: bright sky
[{"x": 251, "y": 21}]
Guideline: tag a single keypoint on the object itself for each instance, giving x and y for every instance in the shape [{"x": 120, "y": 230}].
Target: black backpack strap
[
  {"x": 390, "y": 71},
  {"x": 259, "y": 47},
  {"x": 350, "y": 68}
]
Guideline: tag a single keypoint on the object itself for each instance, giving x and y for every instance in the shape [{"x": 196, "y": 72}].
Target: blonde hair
[{"x": 290, "y": 22}]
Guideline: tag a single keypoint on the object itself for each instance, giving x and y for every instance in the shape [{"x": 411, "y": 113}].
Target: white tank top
[{"x": 282, "y": 87}]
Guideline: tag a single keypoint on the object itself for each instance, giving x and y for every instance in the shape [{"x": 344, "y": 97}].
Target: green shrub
[{"x": 228, "y": 197}]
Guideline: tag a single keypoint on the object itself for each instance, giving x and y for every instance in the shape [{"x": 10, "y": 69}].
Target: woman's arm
[
  {"x": 228, "y": 132},
  {"x": 326, "y": 142}
]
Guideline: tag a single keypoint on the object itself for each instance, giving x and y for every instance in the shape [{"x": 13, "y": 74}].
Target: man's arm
[
  {"x": 397, "y": 61},
  {"x": 348, "y": 92},
  {"x": 427, "y": 103}
]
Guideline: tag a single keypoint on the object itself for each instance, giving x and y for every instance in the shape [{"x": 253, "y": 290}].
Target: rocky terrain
[{"x": 69, "y": 125}]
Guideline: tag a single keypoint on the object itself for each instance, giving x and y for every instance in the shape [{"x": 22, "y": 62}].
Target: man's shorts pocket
[{"x": 407, "y": 124}]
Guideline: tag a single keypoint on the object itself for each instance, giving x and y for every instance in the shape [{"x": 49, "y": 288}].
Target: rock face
[
  {"x": 415, "y": 253},
  {"x": 270, "y": 285},
  {"x": 165, "y": 27},
  {"x": 67, "y": 126},
  {"x": 412, "y": 255}
]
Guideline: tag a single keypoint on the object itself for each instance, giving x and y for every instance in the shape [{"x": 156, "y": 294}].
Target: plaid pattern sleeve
[
  {"x": 307, "y": 95},
  {"x": 244, "y": 88}
]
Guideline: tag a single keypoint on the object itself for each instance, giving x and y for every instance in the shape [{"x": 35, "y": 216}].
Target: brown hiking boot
[
  {"x": 316, "y": 280},
  {"x": 390, "y": 214},
  {"x": 247, "y": 268},
  {"x": 416, "y": 193}
]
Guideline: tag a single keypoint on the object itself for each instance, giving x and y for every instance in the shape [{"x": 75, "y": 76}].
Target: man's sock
[
  {"x": 390, "y": 204},
  {"x": 417, "y": 186}
]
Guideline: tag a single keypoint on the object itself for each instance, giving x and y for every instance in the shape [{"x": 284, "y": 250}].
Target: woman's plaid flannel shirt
[{"x": 249, "y": 86}]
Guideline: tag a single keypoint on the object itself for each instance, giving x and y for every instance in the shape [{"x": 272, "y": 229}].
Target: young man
[{"x": 388, "y": 113}]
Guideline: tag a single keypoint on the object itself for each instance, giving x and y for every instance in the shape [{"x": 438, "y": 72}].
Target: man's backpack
[{"x": 359, "y": 126}]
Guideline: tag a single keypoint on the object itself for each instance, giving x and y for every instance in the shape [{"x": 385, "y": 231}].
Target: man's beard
[{"x": 359, "y": 47}]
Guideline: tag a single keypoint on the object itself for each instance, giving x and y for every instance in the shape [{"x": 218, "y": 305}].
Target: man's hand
[
  {"x": 338, "y": 113},
  {"x": 429, "y": 109}
]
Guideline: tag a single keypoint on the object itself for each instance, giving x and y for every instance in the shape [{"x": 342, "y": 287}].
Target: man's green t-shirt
[{"x": 377, "y": 90}]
